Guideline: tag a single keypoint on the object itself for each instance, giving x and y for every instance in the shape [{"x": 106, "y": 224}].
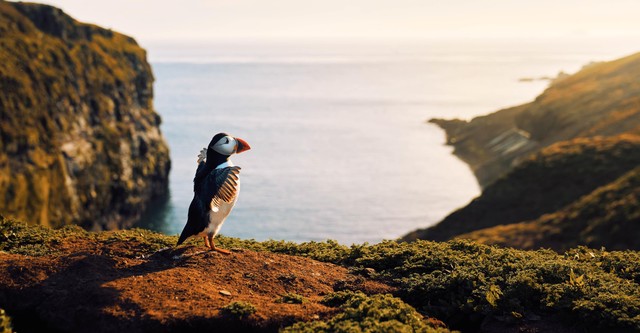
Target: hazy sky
[{"x": 153, "y": 20}]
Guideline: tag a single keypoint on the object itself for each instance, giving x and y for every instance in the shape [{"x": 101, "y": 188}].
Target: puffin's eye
[{"x": 227, "y": 140}]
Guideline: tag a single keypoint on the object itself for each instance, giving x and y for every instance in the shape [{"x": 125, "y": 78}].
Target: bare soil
[{"x": 106, "y": 287}]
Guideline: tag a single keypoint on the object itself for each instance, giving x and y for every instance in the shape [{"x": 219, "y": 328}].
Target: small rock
[{"x": 225, "y": 293}]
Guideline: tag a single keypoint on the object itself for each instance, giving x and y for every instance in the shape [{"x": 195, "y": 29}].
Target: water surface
[{"x": 340, "y": 147}]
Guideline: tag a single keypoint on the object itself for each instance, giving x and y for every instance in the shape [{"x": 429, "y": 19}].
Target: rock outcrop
[
  {"x": 79, "y": 140},
  {"x": 600, "y": 100}
]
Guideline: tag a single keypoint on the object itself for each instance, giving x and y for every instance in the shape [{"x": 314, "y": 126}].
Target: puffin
[{"x": 215, "y": 189}]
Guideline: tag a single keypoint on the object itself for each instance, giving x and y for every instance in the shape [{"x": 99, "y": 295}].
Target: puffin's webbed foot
[
  {"x": 217, "y": 249},
  {"x": 223, "y": 251}
]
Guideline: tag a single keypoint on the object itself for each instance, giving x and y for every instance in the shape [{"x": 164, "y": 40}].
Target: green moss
[
  {"x": 362, "y": 313},
  {"x": 19, "y": 238},
  {"x": 239, "y": 310},
  {"x": 146, "y": 241},
  {"x": 291, "y": 298},
  {"x": 329, "y": 251}
]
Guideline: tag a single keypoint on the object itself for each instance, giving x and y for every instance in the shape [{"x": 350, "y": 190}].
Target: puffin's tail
[
  {"x": 191, "y": 219},
  {"x": 183, "y": 237}
]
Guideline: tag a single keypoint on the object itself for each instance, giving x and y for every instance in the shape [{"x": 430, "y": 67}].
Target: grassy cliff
[
  {"x": 135, "y": 283},
  {"x": 608, "y": 216},
  {"x": 558, "y": 181},
  {"x": 79, "y": 139},
  {"x": 557, "y": 172},
  {"x": 600, "y": 100}
]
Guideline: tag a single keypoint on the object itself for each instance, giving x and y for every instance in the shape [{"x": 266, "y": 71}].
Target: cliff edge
[
  {"x": 599, "y": 100},
  {"x": 79, "y": 140}
]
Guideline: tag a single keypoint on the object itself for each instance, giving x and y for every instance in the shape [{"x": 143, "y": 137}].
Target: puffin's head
[{"x": 225, "y": 144}]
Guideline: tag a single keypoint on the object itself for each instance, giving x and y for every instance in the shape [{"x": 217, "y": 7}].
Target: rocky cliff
[
  {"x": 578, "y": 192},
  {"x": 79, "y": 139},
  {"x": 600, "y": 100}
]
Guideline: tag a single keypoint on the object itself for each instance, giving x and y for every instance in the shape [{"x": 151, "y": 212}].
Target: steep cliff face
[
  {"x": 79, "y": 139},
  {"x": 602, "y": 99}
]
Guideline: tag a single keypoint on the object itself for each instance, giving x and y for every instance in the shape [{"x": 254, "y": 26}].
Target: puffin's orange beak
[{"x": 242, "y": 146}]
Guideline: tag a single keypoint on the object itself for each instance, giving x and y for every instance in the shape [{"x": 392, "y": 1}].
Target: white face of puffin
[{"x": 226, "y": 146}]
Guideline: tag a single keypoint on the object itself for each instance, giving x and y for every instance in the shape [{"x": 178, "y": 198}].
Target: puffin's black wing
[
  {"x": 220, "y": 185},
  {"x": 196, "y": 220}
]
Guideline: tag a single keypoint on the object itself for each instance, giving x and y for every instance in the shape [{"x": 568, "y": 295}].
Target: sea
[{"x": 341, "y": 147}]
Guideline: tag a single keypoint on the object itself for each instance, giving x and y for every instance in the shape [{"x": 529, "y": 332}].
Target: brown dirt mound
[{"x": 98, "y": 287}]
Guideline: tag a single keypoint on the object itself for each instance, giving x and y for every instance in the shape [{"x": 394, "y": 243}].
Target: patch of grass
[
  {"x": 288, "y": 279},
  {"x": 462, "y": 279},
  {"x": 20, "y": 238},
  {"x": 147, "y": 241},
  {"x": 362, "y": 313},
  {"x": 328, "y": 251},
  {"x": 337, "y": 298},
  {"x": 239, "y": 310},
  {"x": 291, "y": 298}
]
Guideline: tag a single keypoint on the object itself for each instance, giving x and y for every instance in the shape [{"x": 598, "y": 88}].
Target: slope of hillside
[
  {"x": 609, "y": 217},
  {"x": 74, "y": 281},
  {"x": 601, "y": 99},
  {"x": 545, "y": 183},
  {"x": 79, "y": 140}
]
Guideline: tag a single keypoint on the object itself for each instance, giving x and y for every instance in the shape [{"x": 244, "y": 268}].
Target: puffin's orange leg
[
  {"x": 206, "y": 242},
  {"x": 214, "y": 248}
]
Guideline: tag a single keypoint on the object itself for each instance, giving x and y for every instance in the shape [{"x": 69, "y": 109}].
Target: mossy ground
[
  {"x": 239, "y": 310},
  {"x": 464, "y": 284}
]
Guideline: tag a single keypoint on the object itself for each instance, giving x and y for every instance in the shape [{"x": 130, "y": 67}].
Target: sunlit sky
[{"x": 160, "y": 20}]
